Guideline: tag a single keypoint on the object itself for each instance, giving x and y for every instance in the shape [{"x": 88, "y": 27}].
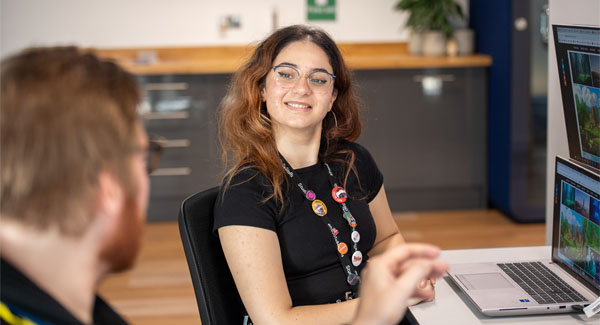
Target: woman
[{"x": 302, "y": 207}]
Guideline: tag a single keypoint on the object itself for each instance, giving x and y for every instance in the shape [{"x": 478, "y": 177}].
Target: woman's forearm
[
  {"x": 335, "y": 313},
  {"x": 389, "y": 242}
]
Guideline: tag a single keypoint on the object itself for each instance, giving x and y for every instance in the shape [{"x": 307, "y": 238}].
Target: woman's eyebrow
[
  {"x": 288, "y": 64},
  {"x": 296, "y": 66}
]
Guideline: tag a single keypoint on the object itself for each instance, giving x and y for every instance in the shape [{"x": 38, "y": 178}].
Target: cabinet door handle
[
  {"x": 432, "y": 84},
  {"x": 166, "y": 86},
  {"x": 174, "y": 143},
  {"x": 437, "y": 77},
  {"x": 165, "y": 116},
  {"x": 177, "y": 171}
]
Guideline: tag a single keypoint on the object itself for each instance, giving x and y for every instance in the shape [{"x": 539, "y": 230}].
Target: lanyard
[{"x": 320, "y": 209}]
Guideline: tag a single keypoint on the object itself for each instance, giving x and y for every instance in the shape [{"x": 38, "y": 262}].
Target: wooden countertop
[{"x": 227, "y": 59}]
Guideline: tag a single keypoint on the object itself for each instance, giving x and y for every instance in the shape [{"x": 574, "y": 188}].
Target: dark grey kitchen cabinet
[
  {"x": 426, "y": 128},
  {"x": 180, "y": 110}
]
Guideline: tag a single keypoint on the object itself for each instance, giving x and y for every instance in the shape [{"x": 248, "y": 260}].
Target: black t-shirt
[
  {"x": 24, "y": 300},
  {"x": 309, "y": 254}
]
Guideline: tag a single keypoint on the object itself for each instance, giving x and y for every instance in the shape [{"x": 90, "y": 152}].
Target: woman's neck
[{"x": 300, "y": 149}]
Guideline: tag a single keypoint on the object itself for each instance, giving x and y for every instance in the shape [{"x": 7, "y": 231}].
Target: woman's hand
[{"x": 425, "y": 292}]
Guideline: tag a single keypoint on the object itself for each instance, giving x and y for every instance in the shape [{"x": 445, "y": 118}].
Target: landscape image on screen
[
  {"x": 579, "y": 232},
  {"x": 587, "y": 105},
  {"x": 581, "y": 69}
]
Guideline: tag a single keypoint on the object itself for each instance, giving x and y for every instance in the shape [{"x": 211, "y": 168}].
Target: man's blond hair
[{"x": 65, "y": 116}]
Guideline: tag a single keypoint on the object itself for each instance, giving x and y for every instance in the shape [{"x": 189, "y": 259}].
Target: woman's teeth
[{"x": 295, "y": 105}]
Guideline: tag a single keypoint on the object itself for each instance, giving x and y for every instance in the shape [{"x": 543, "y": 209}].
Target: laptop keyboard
[{"x": 541, "y": 283}]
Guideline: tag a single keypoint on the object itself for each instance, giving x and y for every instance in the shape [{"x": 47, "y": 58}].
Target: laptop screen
[
  {"x": 578, "y": 61},
  {"x": 576, "y": 238}
]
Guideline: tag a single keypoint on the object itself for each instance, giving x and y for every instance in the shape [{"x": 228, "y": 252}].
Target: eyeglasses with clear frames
[
  {"x": 155, "y": 150},
  {"x": 319, "y": 81}
]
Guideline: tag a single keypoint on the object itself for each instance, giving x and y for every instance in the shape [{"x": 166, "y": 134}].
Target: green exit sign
[{"x": 320, "y": 9}]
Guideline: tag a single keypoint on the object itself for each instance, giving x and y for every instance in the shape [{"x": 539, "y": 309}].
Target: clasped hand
[{"x": 394, "y": 280}]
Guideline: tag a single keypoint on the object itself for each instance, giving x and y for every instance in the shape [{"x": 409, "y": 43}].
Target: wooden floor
[{"x": 159, "y": 290}]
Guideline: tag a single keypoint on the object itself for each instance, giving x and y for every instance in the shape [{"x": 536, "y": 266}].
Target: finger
[
  {"x": 396, "y": 256},
  {"x": 427, "y": 294},
  {"x": 412, "y": 275},
  {"x": 439, "y": 269}
]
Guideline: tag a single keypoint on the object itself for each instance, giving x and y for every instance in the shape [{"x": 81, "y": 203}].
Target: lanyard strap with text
[{"x": 320, "y": 209}]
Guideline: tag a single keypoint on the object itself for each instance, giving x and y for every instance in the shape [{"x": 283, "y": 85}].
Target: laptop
[{"x": 569, "y": 280}]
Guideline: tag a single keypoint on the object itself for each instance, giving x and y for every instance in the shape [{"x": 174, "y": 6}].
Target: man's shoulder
[{"x": 24, "y": 302}]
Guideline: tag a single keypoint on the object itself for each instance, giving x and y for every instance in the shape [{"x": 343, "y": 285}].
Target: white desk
[{"x": 451, "y": 306}]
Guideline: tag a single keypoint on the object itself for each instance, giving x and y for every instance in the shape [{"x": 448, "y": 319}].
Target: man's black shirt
[{"x": 22, "y": 300}]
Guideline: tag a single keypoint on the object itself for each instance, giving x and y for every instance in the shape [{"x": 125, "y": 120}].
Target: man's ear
[{"x": 110, "y": 195}]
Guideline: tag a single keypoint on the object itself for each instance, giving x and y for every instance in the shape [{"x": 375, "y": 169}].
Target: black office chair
[{"x": 216, "y": 294}]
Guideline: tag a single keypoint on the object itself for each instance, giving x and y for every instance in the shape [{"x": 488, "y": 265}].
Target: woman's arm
[
  {"x": 254, "y": 258},
  {"x": 388, "y": 234}
]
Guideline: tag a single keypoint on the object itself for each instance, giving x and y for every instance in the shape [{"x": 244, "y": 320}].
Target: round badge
[
  {"x": 342, "y": 248},
  {"x": 310, "y": 195},
  {"x": 355, "y": 236},
  {"x": 352, "y": 279},
  {"x": 357, "y": 258},
  {"x": 338, "y": 194},
  {"x": 351, "y": 221},
  {"x": 319, "y": 208}
]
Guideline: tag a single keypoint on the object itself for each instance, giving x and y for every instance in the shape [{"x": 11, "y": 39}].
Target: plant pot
[
  {"x": 465, "y": 40},
  {"x": 434, "y": 43},
  {"x": 415, "y": 43}
]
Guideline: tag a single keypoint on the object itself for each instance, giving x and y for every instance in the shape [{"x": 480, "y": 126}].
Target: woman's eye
[{"x": 285, "y": 75}]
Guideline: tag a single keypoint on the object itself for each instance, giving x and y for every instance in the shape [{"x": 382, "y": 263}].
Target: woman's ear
[
  {"x": 333, "y": 97},
  {"x": 263, "y": 94}
]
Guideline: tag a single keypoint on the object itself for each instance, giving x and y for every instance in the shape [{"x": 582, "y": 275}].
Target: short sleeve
[
  {"x": 242, "y": 203},
  {"x": 370, "y": 177}
]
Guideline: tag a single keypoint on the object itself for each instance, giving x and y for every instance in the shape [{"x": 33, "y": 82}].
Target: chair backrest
[{"x": 216, "y": 294}]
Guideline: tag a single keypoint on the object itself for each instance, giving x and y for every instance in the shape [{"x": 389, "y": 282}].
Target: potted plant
[{"x": 430, "y": 21}]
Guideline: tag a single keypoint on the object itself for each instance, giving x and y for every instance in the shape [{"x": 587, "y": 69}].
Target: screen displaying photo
[
  {"x": 578, "y": 202},
  {"x": 578, "y": 58}
]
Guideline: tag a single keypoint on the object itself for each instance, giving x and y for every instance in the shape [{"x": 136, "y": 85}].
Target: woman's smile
[{"x": 298, "y": 106}]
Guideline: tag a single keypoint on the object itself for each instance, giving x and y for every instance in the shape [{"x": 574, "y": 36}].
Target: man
[
  {"x": 74, "y": 188},
  {"x": 74, "y": 191}
]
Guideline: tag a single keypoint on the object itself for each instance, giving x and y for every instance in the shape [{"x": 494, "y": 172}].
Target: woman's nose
[{"x": 301, "y": 86}]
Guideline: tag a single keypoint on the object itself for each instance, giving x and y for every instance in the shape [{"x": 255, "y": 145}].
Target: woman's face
[{"x": 303, "y": 104}]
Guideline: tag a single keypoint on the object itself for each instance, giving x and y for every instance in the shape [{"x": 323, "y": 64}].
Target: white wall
[
  {"x": 572, "y": 12},
  {"x": 146, "y": 23}
]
